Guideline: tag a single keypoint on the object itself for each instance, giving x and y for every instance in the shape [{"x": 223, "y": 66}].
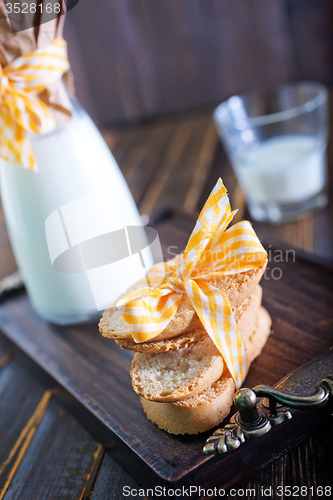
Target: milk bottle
[{"x": 75, "y": 207}]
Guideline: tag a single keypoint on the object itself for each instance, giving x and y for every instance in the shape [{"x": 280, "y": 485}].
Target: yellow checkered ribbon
[
  {"x": 211, "y": 252},
  {"x": 21, "y": 111}
]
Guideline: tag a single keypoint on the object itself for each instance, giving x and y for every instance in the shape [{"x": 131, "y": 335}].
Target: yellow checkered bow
[
  {"x": 212, "y": 251},
  {"x": 20, "y": 110}
]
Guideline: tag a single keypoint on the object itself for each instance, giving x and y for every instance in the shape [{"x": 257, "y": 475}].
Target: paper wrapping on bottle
[{"x": 14, "y": 45}]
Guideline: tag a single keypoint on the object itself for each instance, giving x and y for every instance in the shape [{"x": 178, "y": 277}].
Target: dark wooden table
[{"x": 45, "y": 452}]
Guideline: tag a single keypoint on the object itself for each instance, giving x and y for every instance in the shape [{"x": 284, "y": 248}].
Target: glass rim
[{"x": 306, "y": 107}]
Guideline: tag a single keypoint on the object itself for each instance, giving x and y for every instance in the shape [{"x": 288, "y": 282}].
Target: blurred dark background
[{"x": 136, "y": 59}]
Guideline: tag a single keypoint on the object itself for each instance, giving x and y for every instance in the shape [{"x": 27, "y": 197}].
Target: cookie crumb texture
[
  {"x": 197, "y": 414},
  {"x": 176, "y": 375},
  {"x": 211, "y": 406}
]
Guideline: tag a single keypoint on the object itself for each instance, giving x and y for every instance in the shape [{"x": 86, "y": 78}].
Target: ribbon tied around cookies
[
  {"x": 21, "y": 111},
  {"x": 212, "y": 251}
]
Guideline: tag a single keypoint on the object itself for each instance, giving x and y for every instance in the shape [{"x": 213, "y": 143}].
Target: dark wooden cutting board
[{"x": 95, "y": 371}]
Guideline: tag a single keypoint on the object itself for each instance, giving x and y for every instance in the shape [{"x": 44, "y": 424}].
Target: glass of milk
[
  {"x": 276, "y": 141},
  {"x": 74, "y": 228}
]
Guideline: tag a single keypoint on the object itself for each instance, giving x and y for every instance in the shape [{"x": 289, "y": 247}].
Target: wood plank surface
[
  {"x": 60, "y": 463},
  {"x": 111, "y": 480},
  {"x": 7, "y": 260},
  {"x": 6, "y": 353},
  {"x": 19, "y": 416},
  {"x": 44, "y": 452},
  {"x": 96, "y": 372},
  {"x": 309, "y": 465}
]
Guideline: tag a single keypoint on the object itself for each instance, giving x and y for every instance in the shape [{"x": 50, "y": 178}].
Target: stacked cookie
[{"x": 185, "y": 386}]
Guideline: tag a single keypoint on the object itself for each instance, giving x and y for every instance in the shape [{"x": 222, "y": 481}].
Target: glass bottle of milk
[{"x": 74, "y": 227}]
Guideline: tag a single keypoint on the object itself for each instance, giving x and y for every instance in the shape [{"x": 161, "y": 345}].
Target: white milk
[
  {"x": 286, "y": 169},
  {"x": 76, "y": 168}
]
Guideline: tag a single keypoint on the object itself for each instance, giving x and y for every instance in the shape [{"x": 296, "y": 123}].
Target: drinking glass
[{"x": 276, "y": 141}]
